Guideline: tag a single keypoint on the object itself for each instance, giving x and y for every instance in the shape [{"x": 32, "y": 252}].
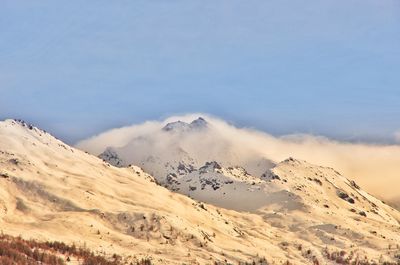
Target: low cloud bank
[{"x": 375, "y": 167}]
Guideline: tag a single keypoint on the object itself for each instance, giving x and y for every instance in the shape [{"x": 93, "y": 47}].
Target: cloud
[
  {"x": 397, "y": 136},
  {"x": 375, "y": 167}
]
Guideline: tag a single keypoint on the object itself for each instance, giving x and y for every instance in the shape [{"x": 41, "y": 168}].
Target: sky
[{"x": 76, "y": 68}]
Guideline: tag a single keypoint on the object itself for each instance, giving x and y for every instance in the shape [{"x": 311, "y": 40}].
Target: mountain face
[{"x": 292, "y": 212}]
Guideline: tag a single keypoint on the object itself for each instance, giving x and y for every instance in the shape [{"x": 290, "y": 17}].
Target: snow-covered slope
[
  {"x": 294, "y": 212},
  {"x": 49, "y": 190}
]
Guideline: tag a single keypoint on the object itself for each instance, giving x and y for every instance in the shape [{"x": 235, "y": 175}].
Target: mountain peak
[
  {"x": 176, "y": 126},
  {"x": 199, "y": 123},
  {"x": 293, "y": 161},
  {"x": 210, "y": 166},
  {"x": 20, "y": 125},
  {"x": 181, "y": 126}
]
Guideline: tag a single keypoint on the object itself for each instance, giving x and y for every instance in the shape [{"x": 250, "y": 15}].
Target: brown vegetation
[
  {"x": 18, "y": 251},
  {"x": 342, "y": 257}
]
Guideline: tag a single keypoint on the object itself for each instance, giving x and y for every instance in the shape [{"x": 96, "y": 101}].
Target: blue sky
[{"x": 77, "y": 68}]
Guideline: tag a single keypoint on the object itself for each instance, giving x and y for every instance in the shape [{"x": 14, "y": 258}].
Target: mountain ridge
[{"x": 51, "y": 190}]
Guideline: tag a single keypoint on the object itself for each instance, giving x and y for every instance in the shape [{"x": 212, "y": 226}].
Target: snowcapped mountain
[
  {"x": 182, "y": 146},
  {"x": 51, "y": 191},
  {"x": 251, "y": 186},
  {"x": 293, "y": 212}
]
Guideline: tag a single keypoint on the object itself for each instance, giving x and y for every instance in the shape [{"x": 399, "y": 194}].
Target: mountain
[
  {"x": 294, "y": 213},
  {"x": 179, "y": 145},
  {"x": 375, "y": 167}
]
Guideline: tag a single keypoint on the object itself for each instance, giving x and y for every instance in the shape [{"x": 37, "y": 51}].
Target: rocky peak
[
  {"x": 181, "y": 126},
  {"x": 199, "y": 123},
  {"x": 110, "y": 155},
  {"x": 24, "y": 124},
  {"x": 210, "y": 166},
  {"x": 177, "y": 126}
]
